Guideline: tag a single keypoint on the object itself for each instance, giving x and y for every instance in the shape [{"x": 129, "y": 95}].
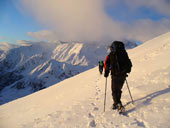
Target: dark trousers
[
  {"x": 101, "y": 69},
  {"x": 117, "y": 84}
]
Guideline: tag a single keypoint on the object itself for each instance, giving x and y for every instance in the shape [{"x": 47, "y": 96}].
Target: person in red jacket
[{"x": 119, "y": 64}]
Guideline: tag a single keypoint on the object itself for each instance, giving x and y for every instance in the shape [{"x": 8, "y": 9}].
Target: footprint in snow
[
  {"x": 93, "y": 123},
  {"x": 93, "y": 104},
  {"x": 139, "y": 123},
  {"x": 90, "y": 115},
  {"x": 97, "y": 93},
  {"x": 96, "y": 109},
  {"x": 97, "y": 98}
]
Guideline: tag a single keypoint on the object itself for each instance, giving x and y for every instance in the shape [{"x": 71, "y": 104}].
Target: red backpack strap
[{"x": 105, "y": 62}]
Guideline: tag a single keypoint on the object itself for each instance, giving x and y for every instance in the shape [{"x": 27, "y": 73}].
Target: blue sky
[
  {"x": 142, "y": 13},
  {"x": 15, "y": 24}
]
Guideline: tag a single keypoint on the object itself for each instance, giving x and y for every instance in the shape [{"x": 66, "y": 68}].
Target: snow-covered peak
[{"x": 4, "y": 47}]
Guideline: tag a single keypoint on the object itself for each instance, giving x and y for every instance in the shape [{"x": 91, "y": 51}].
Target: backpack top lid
[{"x": 117, "y": 45}]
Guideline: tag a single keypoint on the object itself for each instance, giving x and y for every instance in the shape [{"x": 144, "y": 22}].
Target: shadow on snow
[{"x": 147, "y": 99}]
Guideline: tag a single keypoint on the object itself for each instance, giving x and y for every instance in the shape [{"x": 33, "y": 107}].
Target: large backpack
[{"x": 124, "y": 64}]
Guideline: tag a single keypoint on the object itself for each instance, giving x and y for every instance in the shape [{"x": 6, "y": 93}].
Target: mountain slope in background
[
  {"x": 35, "y": 66},
  {"x": 78, "y": 101}
]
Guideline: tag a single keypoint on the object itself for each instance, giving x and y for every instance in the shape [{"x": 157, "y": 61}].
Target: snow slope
[{"x": 78, "y": 101}]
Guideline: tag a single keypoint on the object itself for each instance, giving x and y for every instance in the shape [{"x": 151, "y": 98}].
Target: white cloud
[
  {"x": 24, "y": 42},
  {"x": 86, "y": 20},
  {"x": 43, "y": 35}
]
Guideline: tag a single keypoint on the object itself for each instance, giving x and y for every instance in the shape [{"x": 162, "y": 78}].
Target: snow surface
[{"x": 77, "y": 102}]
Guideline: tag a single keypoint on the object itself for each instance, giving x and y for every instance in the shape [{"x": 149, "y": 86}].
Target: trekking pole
[
  {"x": 105, "y": 94},
  {"x": 129, "y": 92}
]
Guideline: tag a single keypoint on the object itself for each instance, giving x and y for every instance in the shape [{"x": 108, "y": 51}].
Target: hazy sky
[{"x": 83, "y": 20}]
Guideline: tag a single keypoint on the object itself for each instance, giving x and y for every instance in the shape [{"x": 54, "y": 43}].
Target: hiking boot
[
  {"x": 114, "y": 106},
  {"x": 120, "y": 107}
]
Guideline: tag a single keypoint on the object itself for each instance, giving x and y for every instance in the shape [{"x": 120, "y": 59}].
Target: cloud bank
[{"x": 87, "y": 20}]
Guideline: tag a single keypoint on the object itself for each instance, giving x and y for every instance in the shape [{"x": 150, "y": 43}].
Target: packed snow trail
[{"x": 92, "y": 110}]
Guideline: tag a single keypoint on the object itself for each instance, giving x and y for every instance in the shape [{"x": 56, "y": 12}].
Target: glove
[{"x": 106, "y": 74}]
